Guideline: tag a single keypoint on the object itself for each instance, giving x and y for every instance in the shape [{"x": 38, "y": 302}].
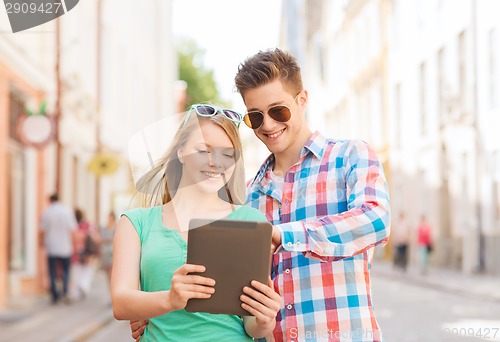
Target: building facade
[
  {"x": 418, "y": 80},
  {"x": 108, "y": 68}
]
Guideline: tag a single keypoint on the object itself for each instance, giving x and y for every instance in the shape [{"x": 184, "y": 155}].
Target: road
[
  {"x": 407, "y": 312},
  {"x": 410, "y": 312}
]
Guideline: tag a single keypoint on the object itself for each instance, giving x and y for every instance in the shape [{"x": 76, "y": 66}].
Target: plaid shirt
[{"x": 333, "y": 211}]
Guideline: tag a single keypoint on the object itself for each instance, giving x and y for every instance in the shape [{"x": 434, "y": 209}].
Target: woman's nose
[{"x": 213, "y": 159}]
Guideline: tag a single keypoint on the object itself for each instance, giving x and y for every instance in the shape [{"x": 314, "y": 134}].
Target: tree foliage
[{"x": 201, "y": 86}]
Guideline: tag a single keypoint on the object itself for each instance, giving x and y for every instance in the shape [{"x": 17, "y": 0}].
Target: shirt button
[
  {"x": 289, "y": 244},
  {"x": 289, "y": 306},
  {"x": 287, "y": 271}
]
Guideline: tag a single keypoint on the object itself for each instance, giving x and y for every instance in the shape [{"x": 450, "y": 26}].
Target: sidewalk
[
  {"x": 478, "y": 286},
  {"x": 37, "y": 320}
]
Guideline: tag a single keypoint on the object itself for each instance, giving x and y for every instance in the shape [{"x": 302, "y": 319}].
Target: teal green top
[{"x": 164, "y": 251}]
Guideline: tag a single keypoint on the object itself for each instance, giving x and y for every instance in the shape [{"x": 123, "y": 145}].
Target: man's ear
[
  {"x": 179, "y": 155},
  {"x": 303, "y": 98}
]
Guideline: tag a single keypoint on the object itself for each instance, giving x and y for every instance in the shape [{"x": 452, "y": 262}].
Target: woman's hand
[
  {"x": 262, "y": 302},
  {"x": 186, "y": 286}
]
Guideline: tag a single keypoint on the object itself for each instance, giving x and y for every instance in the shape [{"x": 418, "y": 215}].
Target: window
[
  {"x": 397, "y": 116},
  {"x": 461, "y": 67},
  {"x": 441, "y": 84},
  {"x": 16, "y": 109},
  {"x": 423, "y": 98},
  {"x": 493, "y": 77},
  {"x": 496, "y": 187},
  {"x": 17, "y": 207},
  {"x": 396, "y": 13}
]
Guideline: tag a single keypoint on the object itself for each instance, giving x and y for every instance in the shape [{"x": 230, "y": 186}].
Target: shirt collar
[{"x": 316, "y": 144}]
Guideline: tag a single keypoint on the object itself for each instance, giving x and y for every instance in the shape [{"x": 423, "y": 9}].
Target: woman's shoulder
[{"x": 140, "y": 212}]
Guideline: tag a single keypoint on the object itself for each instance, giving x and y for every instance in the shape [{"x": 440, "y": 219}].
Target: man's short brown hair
[{"x": 267, "y": 66}]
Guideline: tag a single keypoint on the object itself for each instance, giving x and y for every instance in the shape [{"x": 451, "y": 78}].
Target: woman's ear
[{"x": 179, "y": 155}]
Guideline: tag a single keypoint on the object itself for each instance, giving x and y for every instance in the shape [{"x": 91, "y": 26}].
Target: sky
[{"x": 229, "y": 31}]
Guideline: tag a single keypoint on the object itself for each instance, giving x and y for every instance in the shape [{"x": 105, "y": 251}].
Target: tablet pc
[{"x": 234, "y": 253}]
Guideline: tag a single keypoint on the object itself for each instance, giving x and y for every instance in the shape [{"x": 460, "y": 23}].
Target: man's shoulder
[{"x": 346, "y": 148}]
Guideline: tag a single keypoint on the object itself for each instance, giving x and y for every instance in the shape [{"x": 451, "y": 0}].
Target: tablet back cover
[{"x": 234, "y": 253}]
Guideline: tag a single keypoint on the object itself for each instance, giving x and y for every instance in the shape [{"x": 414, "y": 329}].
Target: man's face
[{"x": 279, "y": 137}]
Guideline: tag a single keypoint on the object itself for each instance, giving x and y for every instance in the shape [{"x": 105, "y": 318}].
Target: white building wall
[
  {"x": 137, "y": 74},
  {"x": 417, "y": 40}
]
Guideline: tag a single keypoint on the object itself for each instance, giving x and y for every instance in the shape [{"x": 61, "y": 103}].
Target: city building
[{"x": 108, "y": 68}]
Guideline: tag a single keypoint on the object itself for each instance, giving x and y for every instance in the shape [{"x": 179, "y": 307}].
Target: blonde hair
[{"x": 160, "y": 184}]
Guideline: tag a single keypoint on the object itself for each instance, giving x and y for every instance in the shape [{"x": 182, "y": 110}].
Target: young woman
[{"x": 201, "y": 175}]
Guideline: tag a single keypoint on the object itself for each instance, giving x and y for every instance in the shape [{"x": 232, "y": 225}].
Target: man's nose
[{"x": 268, "y": 123}]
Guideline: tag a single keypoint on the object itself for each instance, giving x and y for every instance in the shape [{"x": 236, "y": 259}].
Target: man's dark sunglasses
[{"x": 280, "y": 113}]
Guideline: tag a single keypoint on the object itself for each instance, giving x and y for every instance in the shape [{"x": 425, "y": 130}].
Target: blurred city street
[
  {"x": 89, "y": 100},
  {"x": 442, "y": 306}
]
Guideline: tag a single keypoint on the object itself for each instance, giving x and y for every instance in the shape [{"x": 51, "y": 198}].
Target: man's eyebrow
[{"x": 268, "y": 106}]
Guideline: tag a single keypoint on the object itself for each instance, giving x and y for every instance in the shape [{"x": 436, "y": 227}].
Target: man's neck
[{"x": 283, "y": 161}]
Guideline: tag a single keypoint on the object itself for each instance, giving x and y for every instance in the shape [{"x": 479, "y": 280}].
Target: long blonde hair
[{"x": 160, "y": 184}]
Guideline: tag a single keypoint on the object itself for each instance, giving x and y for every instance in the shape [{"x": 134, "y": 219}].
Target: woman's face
[{"x": 207, "y": 157}]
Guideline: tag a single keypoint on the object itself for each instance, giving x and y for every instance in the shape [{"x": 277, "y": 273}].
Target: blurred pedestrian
[
  {"x": 107, "y": 234},
  {"x": 58, "y": 227},
  {"x": 86, "y": 256},
  {"x": 424, "y": 243},
  {"x": 401, "y": 237}
]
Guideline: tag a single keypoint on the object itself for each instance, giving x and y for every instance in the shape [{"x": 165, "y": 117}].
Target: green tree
[{"x": 201, "y": 86}]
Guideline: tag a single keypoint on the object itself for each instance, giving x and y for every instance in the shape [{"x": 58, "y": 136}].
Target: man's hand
[
  {"x": 276, "y": 239},
  {"x": 137, "y": 328}
]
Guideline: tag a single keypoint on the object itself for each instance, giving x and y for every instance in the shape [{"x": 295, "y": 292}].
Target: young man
[{"x": 329, "y": 204}]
